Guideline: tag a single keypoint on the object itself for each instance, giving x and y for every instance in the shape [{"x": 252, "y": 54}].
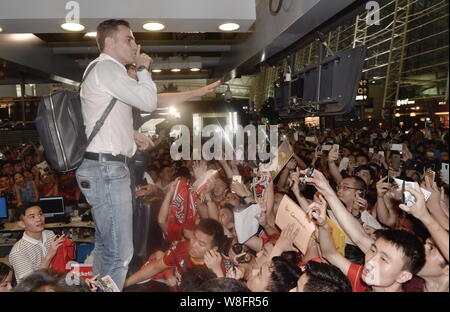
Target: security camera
[{"x": 228, "y": 96}]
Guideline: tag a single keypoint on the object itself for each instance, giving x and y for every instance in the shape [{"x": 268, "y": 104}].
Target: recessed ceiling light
[
  {"x": 72, "y": 27},
  {"x": 153, "y": 26},
  {"x": 1, "y": 29},
  {"x": 176, "y": 70},
  {"x": 229, "y": 27},
  {"x": 91, "y": 34},
  {"x": 156, "y": 70},
  {"x": 20, "y": 37},
  {"x": 195, "y": 69}
]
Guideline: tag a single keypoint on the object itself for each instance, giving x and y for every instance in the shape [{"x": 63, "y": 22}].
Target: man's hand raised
[{"x": 142, "y": 59}]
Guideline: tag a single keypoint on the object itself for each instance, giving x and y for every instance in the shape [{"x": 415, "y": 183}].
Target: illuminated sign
[
  {"x": 405, "y": 102},
  {"x": 363, "y": 90}
]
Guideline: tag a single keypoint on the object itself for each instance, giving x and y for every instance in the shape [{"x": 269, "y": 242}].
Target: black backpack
[{"x": 59, "y": 123}]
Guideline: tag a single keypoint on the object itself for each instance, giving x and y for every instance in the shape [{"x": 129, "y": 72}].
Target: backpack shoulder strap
[
  {"x": 105, "y": 114},
  {"x": 86, "y": 74}
]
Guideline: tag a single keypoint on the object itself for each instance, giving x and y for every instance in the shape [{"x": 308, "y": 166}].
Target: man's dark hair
[
  {"x": 4, "y": 271},
  {"x": 363, "y": 155},
  {"x": 108, "y": 28},
  {"x": 193, "y": 278},
  {"x": 409, "y": 244},
  {"x": 20, "y": 211},
  {"x": 284, "y": 275},
  {"x": 367, "y": 168},
  {"x": 291, "y": 256},
  {"x": 359, "y": 183},
  {"x": 212, "y": 228},
  {"x": 323, "y": 277},
  {"x": 183, "y": 172},
  {"x": 224, "y": 284},
  {"x": 36, "y": 281}
]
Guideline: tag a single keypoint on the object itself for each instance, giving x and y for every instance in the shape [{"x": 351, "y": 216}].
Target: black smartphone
[{"x": 396, "y": 162}]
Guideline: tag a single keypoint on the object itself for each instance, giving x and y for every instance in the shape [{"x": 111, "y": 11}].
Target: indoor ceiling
[{"x": 191, "y": 37}]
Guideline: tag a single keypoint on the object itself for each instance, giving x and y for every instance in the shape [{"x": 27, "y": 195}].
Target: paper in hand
[
  {"x": 409, "y": 198},
  {"x": 107, "y": 284},
  {"x": 200, "y": 184},
  {"x": 245, "y": 222},
  {"x": 289, "y": 212}
]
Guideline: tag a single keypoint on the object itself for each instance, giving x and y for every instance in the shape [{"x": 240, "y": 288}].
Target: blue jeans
[{"x": 106, "y": 186}]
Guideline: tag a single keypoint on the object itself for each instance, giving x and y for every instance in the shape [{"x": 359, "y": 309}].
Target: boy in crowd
[
  {"x": 391, "y": 260},
  {"x": 202, "y": 249},
  {"x": 37, "y": 247}
]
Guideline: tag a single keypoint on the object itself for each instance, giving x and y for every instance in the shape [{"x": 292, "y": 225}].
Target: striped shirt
[{"x": 27, "y": 254}]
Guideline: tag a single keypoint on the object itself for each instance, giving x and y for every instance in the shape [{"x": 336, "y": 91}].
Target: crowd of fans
[{"x": 367, "y": 238}]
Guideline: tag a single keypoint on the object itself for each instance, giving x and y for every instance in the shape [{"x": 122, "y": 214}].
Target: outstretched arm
[
  {"x": 348, "y": 223},
  {"x": 317, "y": 212},
  {"x": 419, "y": 210},
  {"x": 169, "y": 99},
  {"x": 146, "y": 272}
]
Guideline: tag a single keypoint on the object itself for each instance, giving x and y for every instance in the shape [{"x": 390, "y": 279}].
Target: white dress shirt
[{"x": 109, "y": 79}]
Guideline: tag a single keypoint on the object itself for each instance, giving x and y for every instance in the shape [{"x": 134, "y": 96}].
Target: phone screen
[
  {"x": 444, "y": 170},
  {"x": 396, "y": 162}
]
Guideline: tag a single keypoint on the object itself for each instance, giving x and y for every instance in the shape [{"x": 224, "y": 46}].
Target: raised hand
[
  {"x": 319, "y": 181},
  {"x": 142, "y": 141},
  {"x": 199, "y": 168},
  {"x": 382, "y": 187},
  {"x": 333, "y": 155},
  {"x": 419, "y": 209},
  {"x": 213, "y": 260},
  {"x": 142, "y": 59},
  {"x": 58, "y": 241},
  {"x": 318, "y": 211},
  {"x": 286, "y": 240}
]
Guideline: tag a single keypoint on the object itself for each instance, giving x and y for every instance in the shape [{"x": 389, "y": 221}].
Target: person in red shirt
[
  {"x": 202, "y": 249},
  {"x": 390, "y": 261}
]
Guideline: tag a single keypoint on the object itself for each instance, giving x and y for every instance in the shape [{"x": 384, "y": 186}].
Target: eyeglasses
[{"x": 346, "y": 187}]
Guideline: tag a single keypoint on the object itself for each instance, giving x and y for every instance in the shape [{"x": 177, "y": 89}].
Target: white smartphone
[
  {"x": 397, "y": 147},
  {"x": 344, "y": 164},
  {"x": 444, "y": 170},
  {"x": 326, "y": 147},
  {"x": 381, "y": 153},
  {"x": 371, "y": 150},
  {"x": 336, "y": 147},
  {"x": 310, "y": 139}
]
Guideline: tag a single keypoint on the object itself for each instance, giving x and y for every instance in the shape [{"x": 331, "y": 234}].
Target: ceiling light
[
  {"x": 1, "y": 29},
  {"x": 156, "y": 70},
  {"x": 72, "y": 27},
  {"x": 195, "y": 69},
  {"x": 412, "y": 114},
  {"x": 153, "y": 26},
  {"x": 91, "y": 34},
  {"x": 20, "y": 37},
  {"x": 229, "y": 27},
  {"x": 176, "y": 70},
  {"x": 397, "y": 115}
]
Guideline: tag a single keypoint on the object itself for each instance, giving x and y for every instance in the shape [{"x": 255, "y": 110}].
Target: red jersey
[
  {"x": 354, "y": 275},
  {"x": 182, "y": 212}
]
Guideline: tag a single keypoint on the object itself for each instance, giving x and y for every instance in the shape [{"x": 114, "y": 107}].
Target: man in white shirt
[
  {"x": 104, "y": 177},
  {"x": 37, "y": 247}
]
